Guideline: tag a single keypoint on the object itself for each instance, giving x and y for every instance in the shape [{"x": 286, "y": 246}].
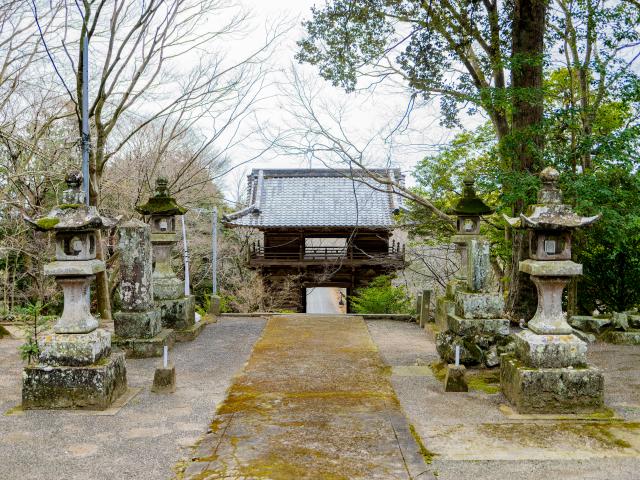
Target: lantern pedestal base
[
  {"x": 165, "y": 288},
  {"x": 550, "y": 351},
  {"x": 74, "y": 349},
  {"x": 178, "y": 313},
  {"x": 146, "y": 347},
  {"x": 146, "y": 324},
  {"x": 191, "y": 333},
  {"x": 478, "y": 305},
  {"x": 91, "y": 387},
  {"x": 551, "y": 390}
]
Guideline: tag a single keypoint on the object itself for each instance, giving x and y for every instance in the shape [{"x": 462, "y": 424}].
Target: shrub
[{"x": 380, "y": 296}]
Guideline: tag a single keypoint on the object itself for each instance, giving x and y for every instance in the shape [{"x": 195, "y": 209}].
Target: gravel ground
[
  {"x": 473, "y": 439},
  {"x": 147, "y": 437}
]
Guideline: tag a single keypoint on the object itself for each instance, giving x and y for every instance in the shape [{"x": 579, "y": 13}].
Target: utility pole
[{"x": 86, "y": 142}]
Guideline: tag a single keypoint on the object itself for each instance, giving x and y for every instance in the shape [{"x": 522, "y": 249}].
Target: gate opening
[{"x": 329, "y": 300}]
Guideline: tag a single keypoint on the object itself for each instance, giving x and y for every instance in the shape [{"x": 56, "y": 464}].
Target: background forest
[{"x": 523, "y": 83}]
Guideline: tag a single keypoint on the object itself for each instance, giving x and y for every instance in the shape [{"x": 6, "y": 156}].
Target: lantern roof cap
[
  {"x": 161, "y": 203},
  {"x": 470, "y": 204},
  {"x": 72, "y": 214},
  {"x": 550, "y": 213}
]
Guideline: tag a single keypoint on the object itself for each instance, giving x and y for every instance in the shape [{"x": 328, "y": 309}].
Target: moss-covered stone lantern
[
  {"x": 470, "y": 315},
  {"x": 76, "y": 368},
  {"x": 468, "y": 211},
  {"x": 549, "y": 372},
  {"x": 178, "y": 309}
]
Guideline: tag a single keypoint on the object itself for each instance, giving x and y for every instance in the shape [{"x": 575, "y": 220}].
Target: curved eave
[
  {"x": 69, "y": 220},
  {"x": 551, "y": 222}
]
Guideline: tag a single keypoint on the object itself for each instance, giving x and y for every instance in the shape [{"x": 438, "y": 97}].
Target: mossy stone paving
[{"x": 314, "y": 401}]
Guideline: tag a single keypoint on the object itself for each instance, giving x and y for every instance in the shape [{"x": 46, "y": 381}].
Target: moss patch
[
  {"x": 487, "y": 381},
  {"x": 439, "y": 370},
  {"x": 427, "y": 455},
  {"x": 67, "y": 206},
  {"x": 47, "y": 223},
  {"x": 543, "y": 435},
  {"x": 4, "y": 332},
  {"x": 14, "y": 410}
]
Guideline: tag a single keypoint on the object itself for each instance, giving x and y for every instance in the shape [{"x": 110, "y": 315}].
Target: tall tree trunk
[
  {"x": 526, "y": 138},
  {"x": 103, "y": 294}
]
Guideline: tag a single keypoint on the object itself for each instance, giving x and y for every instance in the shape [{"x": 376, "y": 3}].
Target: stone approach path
[{"x": 314, "y": 401}]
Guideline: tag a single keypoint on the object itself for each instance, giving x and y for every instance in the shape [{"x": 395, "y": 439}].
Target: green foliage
[
  {"x": 30, "y": 350},
  {"x": 610, "y": 249},
  {"x": 226, "y": 303},
  {"x": 380, "y": 296},
  {"x": 425, "y": 41}
]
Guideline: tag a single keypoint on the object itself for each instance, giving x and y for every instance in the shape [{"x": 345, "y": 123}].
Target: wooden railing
[{"x": 395, "y": 251}]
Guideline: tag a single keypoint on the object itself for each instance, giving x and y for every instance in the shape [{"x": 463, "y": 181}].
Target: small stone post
[
  {"x": 425, "y": 307},
  {"x": 549, "y": 371},
  {"x": 418, "y": 307},
  {"x": 470, "y": 315},
  {"x": 138, "y": 326},
  {"x": 178, "y": 310},
  {"x": 76, "y": 368}
]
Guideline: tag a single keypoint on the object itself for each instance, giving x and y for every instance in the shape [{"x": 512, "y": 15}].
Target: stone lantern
[
  {"x": 470, "y": 315},
  {"x": 468, "y": 211},
  {"x": 549, "y": 372},
  {"x": 76, "y": 368},
  {"x": 178, "y": 309}
]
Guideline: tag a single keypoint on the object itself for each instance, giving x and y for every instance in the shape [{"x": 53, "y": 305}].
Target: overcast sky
[{"x": 368, "y": 112}]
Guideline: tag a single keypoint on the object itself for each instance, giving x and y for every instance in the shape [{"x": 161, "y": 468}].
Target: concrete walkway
[
  {"x": 314, "y": 401},
  {"x": 142, "y": 441}
]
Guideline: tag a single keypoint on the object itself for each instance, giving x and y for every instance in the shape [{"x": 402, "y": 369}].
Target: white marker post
[
  {"x": 165, "y": 357},
  {"x": 457, "y": 355}
]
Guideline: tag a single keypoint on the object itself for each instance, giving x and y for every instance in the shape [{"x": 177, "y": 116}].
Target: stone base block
[
  {"x": 92, "y": 387},
  {"x": 191, "y": 333},
  {"x": 453, "y": 286},
  {"x": 145, "y": 324},
  {"x": 74, "y": 349},
  {"x": 550, "y": 351},
  {"x": 630, "y": 337},
  {"x": 455, "y": 380},
  {"x": 167, "y": 288},
  {"x": 479, "y": 305},
  {"x": 444, "y": 307},
  {"x": 146, "y": 347},
  {"x": 214, "y": 308},
  {"x": 468, "y": 326},
  {"x": 178, "y": 314},
  {"x": 164, "y": 380},
  {"x": 474, "y": 349},
  {"x": 551, "y": 390},
  {"x": 589, "y": 324}
]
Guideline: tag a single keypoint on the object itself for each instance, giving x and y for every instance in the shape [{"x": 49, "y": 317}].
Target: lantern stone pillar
[
  {"x": 76, "y": 367},
  {"x": 470, "y": 315},
  {"x": 549, "y": 372},
  {"x": 177, "y": 309},
  {"x": 138, "y": 325}
]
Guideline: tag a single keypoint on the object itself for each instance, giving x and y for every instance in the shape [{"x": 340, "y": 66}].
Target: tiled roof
[{"x": 317, "y": 198}]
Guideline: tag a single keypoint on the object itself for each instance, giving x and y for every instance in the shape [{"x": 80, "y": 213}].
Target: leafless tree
[{"x": 157, "y": 63}]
